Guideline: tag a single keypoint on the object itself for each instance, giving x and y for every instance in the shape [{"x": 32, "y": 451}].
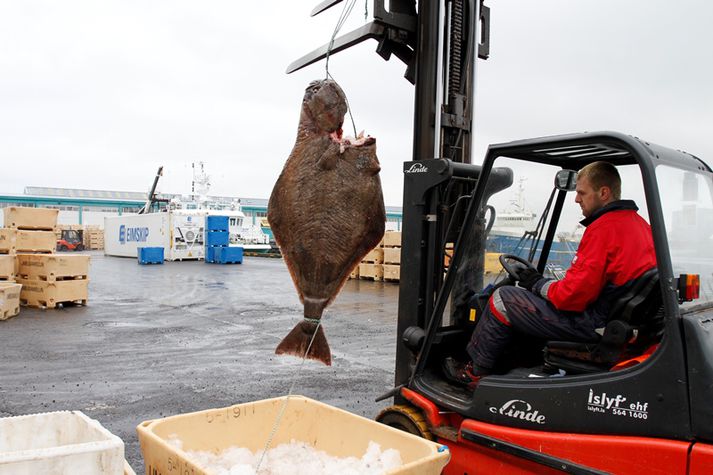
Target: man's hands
[{"x": 528, "y": 278}]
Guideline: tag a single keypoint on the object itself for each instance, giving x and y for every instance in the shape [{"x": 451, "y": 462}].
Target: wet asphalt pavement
[{"x": 160, "y": 340}]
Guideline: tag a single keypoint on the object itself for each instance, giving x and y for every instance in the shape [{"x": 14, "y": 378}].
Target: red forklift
[
  {"x": 638, "y": 400},
  {"x": 71, "y": 240}
]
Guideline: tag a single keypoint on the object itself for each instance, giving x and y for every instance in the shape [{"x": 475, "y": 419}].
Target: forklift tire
[
  {"x": 405, "y": 418},
  {"x": 62, "y": 248},
  {"x": 79, "y": 247}
]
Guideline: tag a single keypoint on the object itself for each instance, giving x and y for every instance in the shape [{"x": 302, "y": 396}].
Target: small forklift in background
[
  {"x": 71, "y": 240},
  {"x": 640, "y": 399}
]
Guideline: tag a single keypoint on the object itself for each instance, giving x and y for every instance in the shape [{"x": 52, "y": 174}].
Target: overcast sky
[{"x": 98, "y": 94}]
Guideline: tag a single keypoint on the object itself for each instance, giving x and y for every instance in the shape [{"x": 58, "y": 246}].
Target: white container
[
  {"x": 58, "y": 443},
  {"x": 179, "y": 233}
]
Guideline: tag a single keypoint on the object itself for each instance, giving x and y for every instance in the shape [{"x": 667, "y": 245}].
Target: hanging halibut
[{"x": 326, "y": 211}]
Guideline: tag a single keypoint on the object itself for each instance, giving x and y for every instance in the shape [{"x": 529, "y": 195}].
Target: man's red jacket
[{"x": 616, "y": 247}]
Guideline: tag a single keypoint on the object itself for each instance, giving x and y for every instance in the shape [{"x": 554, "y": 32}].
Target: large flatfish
[{"x": 326, "y": 211}]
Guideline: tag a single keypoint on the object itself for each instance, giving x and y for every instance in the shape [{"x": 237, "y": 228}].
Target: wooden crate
[
  {"x": 371, "y": 271},
  {"x": 392, "y": 272},
  {"x": 9, "y": 300},
  {"x": 448, "y": 254},
  {"x": 18, "y": 217},
  {"x": 8, "y": 238},
  {"x": 7, "y": 267},
  {"x": 375, "y": 256},
  {"x": 76, "y": 227},
  {"x": 392, "y": 255},
  {"x": 44, "y": 294},
  {"x": 52, "y": 267},
  {"x": 35, "y": 241},
  {"x": 492, "y": 263},
  {"x": 392, "y": 239}
]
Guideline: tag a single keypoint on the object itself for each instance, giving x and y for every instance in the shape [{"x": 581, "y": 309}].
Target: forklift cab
[
  {"x": 71, "y": 240},
  {"x": 643, "y": 391}
]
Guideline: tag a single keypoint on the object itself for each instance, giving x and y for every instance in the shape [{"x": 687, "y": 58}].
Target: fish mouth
[
  {"x": 348, "y": 141},
  {"x": 325, "y": 103}
]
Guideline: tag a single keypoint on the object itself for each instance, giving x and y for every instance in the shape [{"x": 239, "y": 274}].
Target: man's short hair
[{"x": 602, "y": 174}]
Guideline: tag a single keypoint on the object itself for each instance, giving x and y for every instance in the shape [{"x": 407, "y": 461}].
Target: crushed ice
[{"x": 297, "y": 458}]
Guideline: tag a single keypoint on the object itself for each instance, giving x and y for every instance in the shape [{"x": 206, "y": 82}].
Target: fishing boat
[
  {"x": 515, "y": 229},
  {"x": 240, "y": 228}
]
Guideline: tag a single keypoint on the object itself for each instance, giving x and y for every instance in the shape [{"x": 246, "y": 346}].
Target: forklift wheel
[
  {"x": 62, "y": 248},
  {"x": 79, "y": 247},
  {"x": 407, "y": 419}
]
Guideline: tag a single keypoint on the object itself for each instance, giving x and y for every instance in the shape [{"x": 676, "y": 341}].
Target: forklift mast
[{"x": 439, "y": 42}]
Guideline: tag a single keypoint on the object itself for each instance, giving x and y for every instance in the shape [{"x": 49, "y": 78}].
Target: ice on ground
[{"x": 298, "y": 458}]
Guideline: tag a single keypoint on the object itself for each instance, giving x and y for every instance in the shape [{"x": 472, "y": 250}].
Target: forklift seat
[{"x": 635, "y": 321}]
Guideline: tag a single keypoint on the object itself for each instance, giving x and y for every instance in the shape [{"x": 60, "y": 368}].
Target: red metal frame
[{"x": 609, "y": 453}]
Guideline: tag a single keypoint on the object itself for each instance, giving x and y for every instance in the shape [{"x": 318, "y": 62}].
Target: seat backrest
[{"x": 640, "y": 302}]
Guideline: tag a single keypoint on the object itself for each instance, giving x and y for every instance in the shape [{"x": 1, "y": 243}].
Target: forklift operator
[{"x": 616, "y": 248}]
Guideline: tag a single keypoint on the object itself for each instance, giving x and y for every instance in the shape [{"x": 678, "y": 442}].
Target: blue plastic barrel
[
  {"x": 216, "y": 223},
  {"x": 217, "y": 238}
]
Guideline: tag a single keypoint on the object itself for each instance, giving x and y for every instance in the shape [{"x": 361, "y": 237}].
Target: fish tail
[{"x": 297, "y": 341}]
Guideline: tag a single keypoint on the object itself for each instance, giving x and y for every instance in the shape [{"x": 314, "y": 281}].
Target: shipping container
[{"x": 179, "y": 232}]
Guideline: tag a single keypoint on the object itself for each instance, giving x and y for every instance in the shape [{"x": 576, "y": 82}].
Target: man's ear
[{"x": 605, "y": 194}]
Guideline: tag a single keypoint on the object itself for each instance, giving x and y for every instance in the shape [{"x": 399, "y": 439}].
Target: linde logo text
[
  {"x": 416, "y": 168},
  {"x": 518, "y": 409}
]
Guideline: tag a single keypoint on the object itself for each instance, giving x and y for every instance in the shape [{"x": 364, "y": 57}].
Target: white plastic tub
[{"x": 58, "y": 443}]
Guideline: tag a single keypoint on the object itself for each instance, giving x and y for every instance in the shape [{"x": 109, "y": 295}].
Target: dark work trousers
[{"x": 513, "y": 309}]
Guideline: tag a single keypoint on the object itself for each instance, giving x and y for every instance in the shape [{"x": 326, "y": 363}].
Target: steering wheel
[{"x": 514, "y": 269}]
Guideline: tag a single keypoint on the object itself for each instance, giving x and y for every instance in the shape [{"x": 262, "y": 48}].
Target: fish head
[{"x": 324, "y": 105}]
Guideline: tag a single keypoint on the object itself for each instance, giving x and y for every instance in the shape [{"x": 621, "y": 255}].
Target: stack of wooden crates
[
  {"x": 93, "y": 237},
  {"x": 48, "y": 280},
  {"x": 383, "y": 262}
]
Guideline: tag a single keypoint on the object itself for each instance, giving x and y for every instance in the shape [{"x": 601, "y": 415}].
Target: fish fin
[{"x": 297, "y": 341}]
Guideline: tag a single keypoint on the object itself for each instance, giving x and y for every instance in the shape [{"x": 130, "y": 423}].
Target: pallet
[
  {"x": 44, "y": 304},
  {"x": 51, "y": 278},
  {"x": 355, "y": 273},
  {"x": 373, "y": 272},
  {"x": 44, "y": 294},
  {"x": 375, "y": 256},
  {"x": 262, "y": 254},
  {"x": 392, "y": 273},
  {"x": 392, "y": 239},
  {"x": 392, "y": 255}
]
